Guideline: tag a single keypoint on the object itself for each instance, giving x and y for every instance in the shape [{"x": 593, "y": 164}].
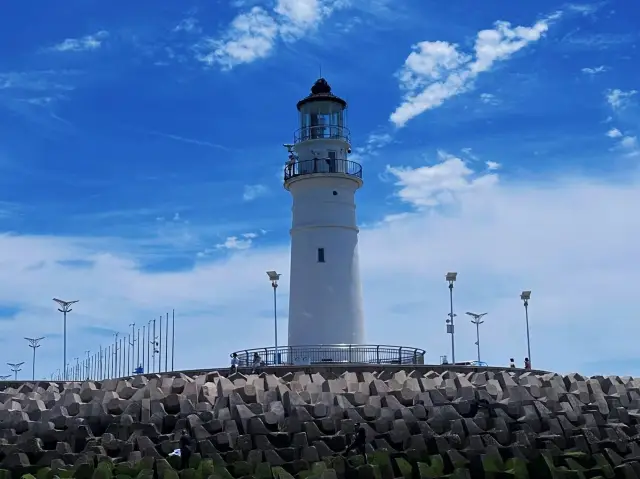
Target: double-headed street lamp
[
  {"x": 15, "y": 367},
  {"x": 64, "y": 309},
  {"x": 477, "y": 322},
  {"x": 34, "y": 343},
  {"x": 274, "y": 278},
  {"x": 451, "y": 278},
  {"x": 525, "y": 296}
]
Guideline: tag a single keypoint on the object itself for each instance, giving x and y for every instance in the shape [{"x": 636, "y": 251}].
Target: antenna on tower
[{"x": 320, "y": 68}]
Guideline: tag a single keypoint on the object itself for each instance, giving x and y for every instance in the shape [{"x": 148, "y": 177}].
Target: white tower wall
[
  {"x": 325, "y": 299},
  {"x": 325, "y": 295}
]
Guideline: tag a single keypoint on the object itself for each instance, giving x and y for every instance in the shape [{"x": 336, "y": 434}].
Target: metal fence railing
[{"x": 330, "y": 354}]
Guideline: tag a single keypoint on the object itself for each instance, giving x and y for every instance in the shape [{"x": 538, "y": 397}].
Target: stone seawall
[{"x": 422, "y": 421}]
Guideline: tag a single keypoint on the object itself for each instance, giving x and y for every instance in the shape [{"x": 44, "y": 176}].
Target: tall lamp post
[
  {"x": 525, "y": 296},
  {"x": 477, "y": 322},
  {"x": 34, "y": 343},
  {"x": 15, "y": 368},
  {"x": 64, "y": 309},
  {"x": 451, "y": 278},
  {"x": 274, "y": 278}
]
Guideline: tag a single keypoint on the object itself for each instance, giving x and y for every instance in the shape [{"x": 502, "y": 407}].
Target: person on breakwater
[
  {"x": 257, "y": 363},
  {"x": 359, "y": 443},
  {"x": 185, "y": 450},
  {"x": 512, "y": 363},
  {"x": 234, "y": 363},
  {"x": 527, "y": 363}
]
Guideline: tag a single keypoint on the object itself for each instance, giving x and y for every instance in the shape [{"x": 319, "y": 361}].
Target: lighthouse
[{"x": 325, "y": 298}]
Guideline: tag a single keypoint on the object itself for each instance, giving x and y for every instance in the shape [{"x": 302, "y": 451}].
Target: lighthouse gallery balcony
[{"x": 322, "y": 166}]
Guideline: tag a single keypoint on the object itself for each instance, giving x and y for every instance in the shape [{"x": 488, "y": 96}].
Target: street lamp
[
  {"x": 525, "y": 296},
  {"x": 15, "y": 367},
  {"x": 5, "y": 377},
  {"x": 477, "y": 322},
  {"x": 64, "y": 309},
  {"x": 34, "y": 343},
  {"x": 274, "y": 278},
  {"x": 451, "y": 278}
]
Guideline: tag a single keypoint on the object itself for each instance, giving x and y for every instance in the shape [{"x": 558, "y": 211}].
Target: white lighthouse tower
[{"x": 325, "y": 301}]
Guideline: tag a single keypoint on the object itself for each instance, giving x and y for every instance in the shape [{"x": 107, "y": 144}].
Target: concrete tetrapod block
[{"x": 301, "y": 423}]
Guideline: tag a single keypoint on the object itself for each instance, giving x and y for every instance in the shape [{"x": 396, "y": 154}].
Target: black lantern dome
[{"x": 321, "y": 91}]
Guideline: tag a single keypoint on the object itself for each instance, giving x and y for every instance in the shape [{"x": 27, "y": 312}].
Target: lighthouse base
[{"x": 331, "y": 354}]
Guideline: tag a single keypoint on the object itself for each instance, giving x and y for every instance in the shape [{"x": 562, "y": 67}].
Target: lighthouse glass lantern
[{"x": 322, "y": 140}]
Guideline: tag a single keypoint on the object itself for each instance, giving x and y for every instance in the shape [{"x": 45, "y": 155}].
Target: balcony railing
[
  {"x": 322, "y": 165},
  {"x": 322, "y": 132},
  {"x": 332, "y": 354}
]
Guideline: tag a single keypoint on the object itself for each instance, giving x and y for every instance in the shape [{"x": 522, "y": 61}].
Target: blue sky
[{"x": 141, "y": 157}]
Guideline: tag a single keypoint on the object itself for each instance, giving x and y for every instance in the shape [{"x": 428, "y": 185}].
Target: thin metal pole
[
  {"x": 138, "y": 354},
  {"x": 166, "y": 343},
  {"x": 148, "y": 344},
  {"x": 144, "y": 367},
  {"x": 526, "y": 315},
  {"x": 129, "y": 349},
  {"x": 160, "y": 348},
  {"x": 453, "y": 342},
  {"x": 133, "y": 347},
  {"x": 275, "y": 319},
  {"x": 33, "y": 366},
  {"x": 153, "y": 366},
  {"x": 478, "y": 339},
  {"x": 64, "y": 359},
  {"x": 122, "y": 357},
  {"x": 173, "y": 336}
]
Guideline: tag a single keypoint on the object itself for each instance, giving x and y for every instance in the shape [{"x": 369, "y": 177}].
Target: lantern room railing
[
  {"x": 322, "y": 166},
  {"x": 322, "y": 132}
]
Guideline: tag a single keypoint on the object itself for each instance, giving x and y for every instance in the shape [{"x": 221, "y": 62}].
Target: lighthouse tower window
[{"x": 320, "y": 255}]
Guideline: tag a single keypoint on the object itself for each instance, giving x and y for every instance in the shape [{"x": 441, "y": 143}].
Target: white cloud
[
  {"x": 243, "y": 241},
  {"x": 571, "y": 240},
  {"x": 439, "y": 184},
  {"x": 627, "y": 143},
  {"x": 375, "y": 142},
  {"x": 630, "y": 145},
  {"x": 619, "y": 99},
  {"x": 189, "y": 25},
  {"x": 253, "y": 34},
  {"x": 594, "y": 71},
  {"x": 614, "y": 133},
  {"x": 437, "y": 71},
  {"x": 488, "y": 98},
  {"x": 88, "y": 42},
  {"x": 251, "y": 192},
  {"x": 584, "y": 8},
  {"x": 233, "y": 242},
  {"x": 492, "y": 165}
]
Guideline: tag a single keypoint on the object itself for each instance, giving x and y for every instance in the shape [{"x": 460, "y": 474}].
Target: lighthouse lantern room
[{"x": 325, "y": 299}]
